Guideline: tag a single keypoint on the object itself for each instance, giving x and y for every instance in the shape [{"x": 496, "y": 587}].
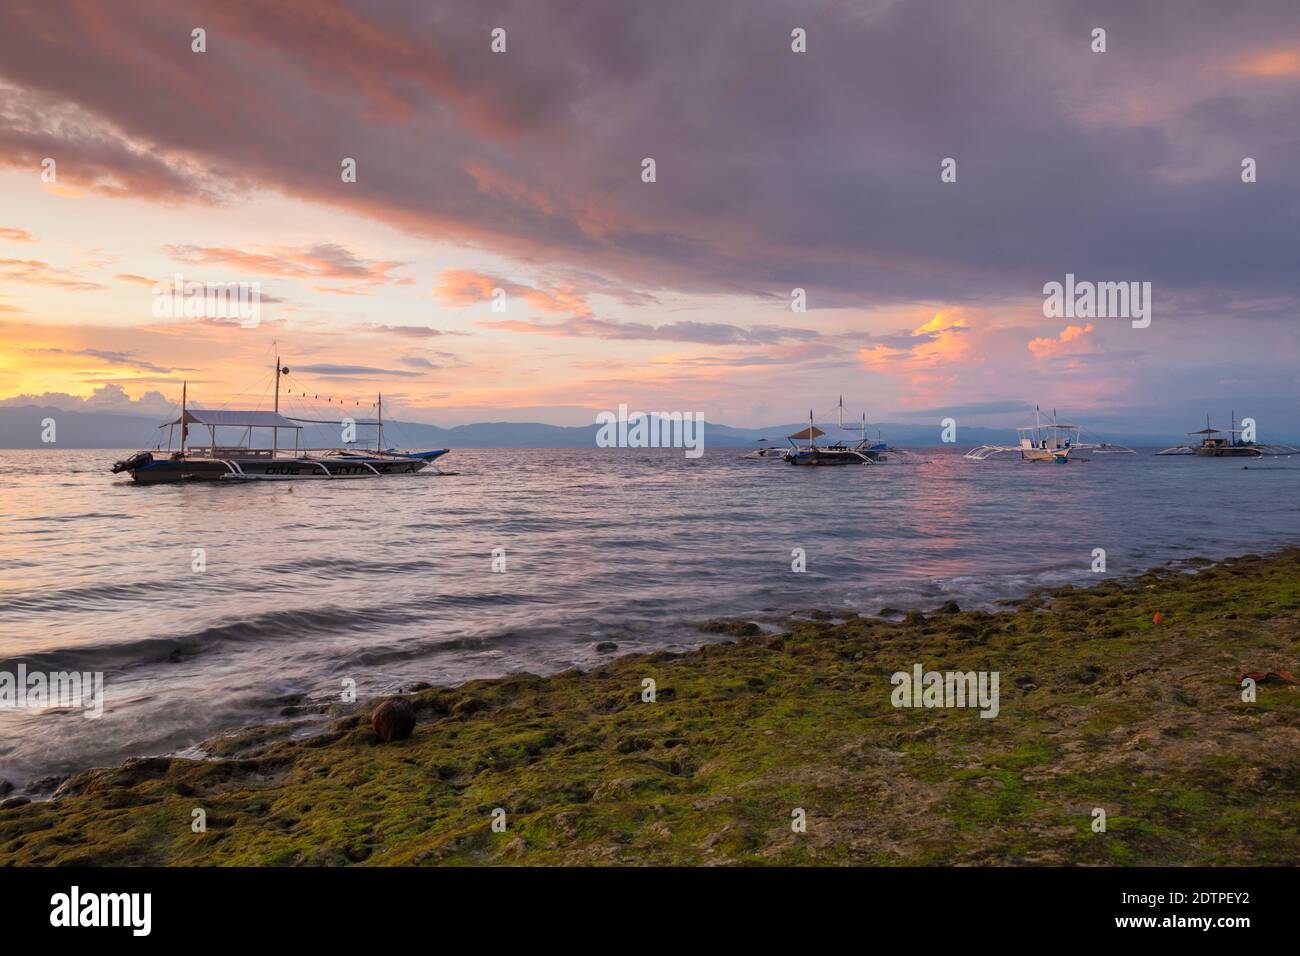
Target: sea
[{"x": 209, "y": 607}]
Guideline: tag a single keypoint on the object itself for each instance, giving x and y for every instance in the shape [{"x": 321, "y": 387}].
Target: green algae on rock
[{"x": 1100, "y": 709}]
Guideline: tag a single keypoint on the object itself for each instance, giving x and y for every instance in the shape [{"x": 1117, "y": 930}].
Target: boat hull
[
  {"x": 824, "y": 458},
  {"x": 1228, "y": 452},
  {"x": 173, "y": 471},
  {"x": 180, "y": 470},
  {"x": 1058, "y": 456}
]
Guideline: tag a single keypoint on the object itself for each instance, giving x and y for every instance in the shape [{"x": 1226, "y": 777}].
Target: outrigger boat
[
  {"x": 243, "y": 462},
  {"x": 841, "y": 450},
  {"x": 1056, "y": 442},
  {"x": 1212, "y": 444},
  {"x": 765, "y": 450}
]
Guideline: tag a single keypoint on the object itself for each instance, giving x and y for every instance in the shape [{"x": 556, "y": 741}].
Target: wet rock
[
  {"x": 733, "y": 628},
  {"x": 394, "y": 719},
  {"x": 606, "y": 646},
  {"x": 44, "y": 784},
  {"x": 468, "y": 707},
  {"x": 78, "y": 782},
  {"x": 5, "y": 787},
  {"x": 14, "y": 802},
  {"x": 948, "y": 607}
]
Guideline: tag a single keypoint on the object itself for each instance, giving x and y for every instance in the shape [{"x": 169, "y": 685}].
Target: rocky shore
[{"x": 778, "y": 748}]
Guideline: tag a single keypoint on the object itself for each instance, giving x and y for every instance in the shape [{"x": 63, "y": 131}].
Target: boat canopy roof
[
  {"x": 809, "y": 433},
  {"x": 238, "y": 419}
]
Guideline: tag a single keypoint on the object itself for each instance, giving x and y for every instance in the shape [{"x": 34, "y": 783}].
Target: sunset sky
[{"x": 522, "y": 171}]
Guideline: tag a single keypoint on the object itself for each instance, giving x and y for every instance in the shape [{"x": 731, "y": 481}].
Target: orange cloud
[
  {"x": 1282, "y": 62},
  {"x": 940, "y": 340},
  {"x": 1072, "y": 341},
  {"x": 137, "y": 280},
  {"x": 464, "y": 288}
]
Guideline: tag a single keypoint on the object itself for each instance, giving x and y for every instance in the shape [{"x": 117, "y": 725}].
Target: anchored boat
[
  {"x": 1214, "y": 444},
  {"x": 244, "y": 462},
  {"x": 841, "y": 449},
  {"x": 765, "y": 449},
  {"x": 1054, "y": 442}
]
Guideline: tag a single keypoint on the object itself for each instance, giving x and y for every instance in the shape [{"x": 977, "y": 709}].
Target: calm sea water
[{"x": 389, "y": 582}]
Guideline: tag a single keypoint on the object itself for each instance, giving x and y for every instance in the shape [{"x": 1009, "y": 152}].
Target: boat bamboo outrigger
[
  {"x": 1212, "y": 444},
  {"x": 841, "y": 449},
  {"x": 1056, "y": 442},
  {"x": 242, "y": 461}
]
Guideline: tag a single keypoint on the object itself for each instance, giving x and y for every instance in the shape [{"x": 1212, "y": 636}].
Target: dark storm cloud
[{"x": 775, "y": 169}]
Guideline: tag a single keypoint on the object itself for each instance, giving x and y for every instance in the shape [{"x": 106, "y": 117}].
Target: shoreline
[{"x": 1095, "y": 700}]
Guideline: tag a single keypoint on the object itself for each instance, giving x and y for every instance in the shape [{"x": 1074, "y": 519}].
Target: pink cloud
[
  {"x": 321, "y": 261},
  {"x": 1073, "y": 340}
]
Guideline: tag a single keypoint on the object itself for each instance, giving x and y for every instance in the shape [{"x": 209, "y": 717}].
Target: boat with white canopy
[
  {"x": 1226, "y": 443},
  {"x": 243, "y": 459},
  {"x": 1056, "y": 442}
]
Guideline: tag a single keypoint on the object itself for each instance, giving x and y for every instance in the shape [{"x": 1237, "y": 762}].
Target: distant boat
[
  {"x": 242, "y": 462},
  {"x": 765, "y": 450},
  {"x": 1214, "y": 444},
  {"x": 1055, "y": 442}
]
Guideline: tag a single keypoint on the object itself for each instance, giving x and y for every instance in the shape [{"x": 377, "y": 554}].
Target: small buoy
[{"x": 1157, "y": 618}]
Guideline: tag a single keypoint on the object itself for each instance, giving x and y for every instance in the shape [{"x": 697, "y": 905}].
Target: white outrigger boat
[
  {"x": 765, "y": 449},
  {"x": 1056, "y": 442},
  {"x": 1213, "y": 445},
  {"x": 243, "y": 462}
]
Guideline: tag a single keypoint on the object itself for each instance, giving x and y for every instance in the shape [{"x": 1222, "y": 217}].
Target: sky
[{"x": 522, "y": 171}]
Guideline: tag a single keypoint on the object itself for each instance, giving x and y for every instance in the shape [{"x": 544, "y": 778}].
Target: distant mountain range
[{"x": 21, "y": 427}]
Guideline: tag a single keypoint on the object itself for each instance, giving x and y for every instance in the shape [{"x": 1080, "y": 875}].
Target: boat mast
[
  {"x": 184, "y": 386},
  {"x": 379, "y": 431},
  {"x": 275, "y": 432}
]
